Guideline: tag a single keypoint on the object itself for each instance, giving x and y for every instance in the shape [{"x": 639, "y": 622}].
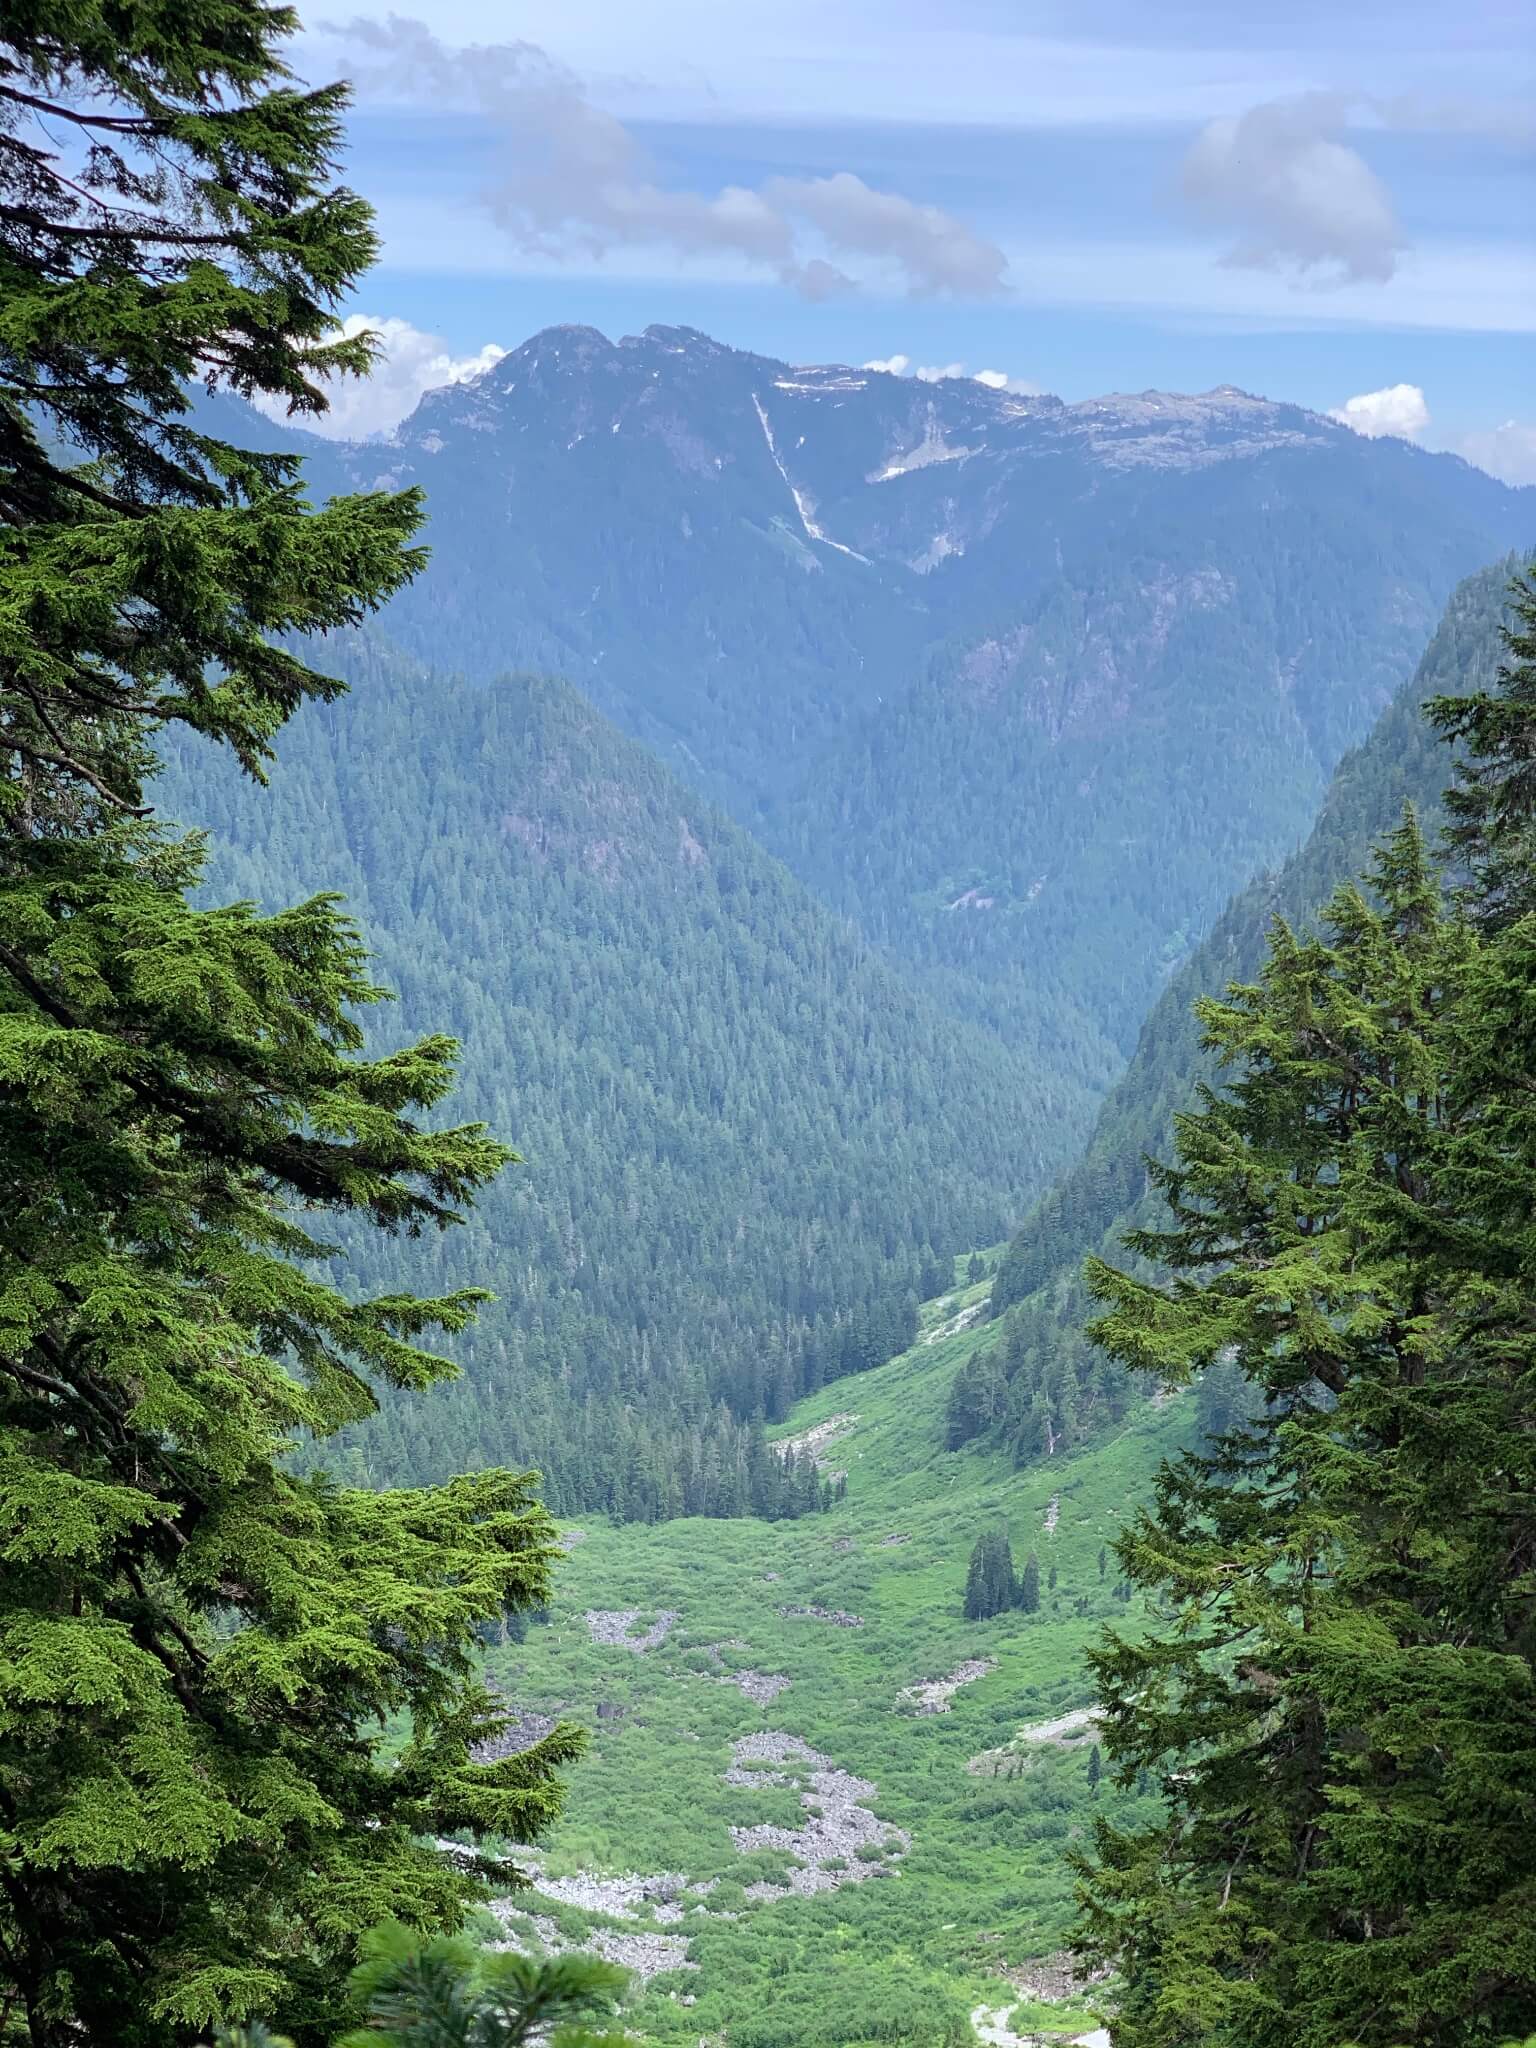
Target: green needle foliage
[
  {"x": 1492, "y": 804},
  {"x": 201, "y": 1651},
  {"x": 446, "y": 1993},
  {"x": 990, "y": 1586},
  {"x": 167, "y": 214},
  {"x": 1029, "y": 1586},
  {"x": 197, "y": 1647},
  {"x": 1341, "y": 1700}
]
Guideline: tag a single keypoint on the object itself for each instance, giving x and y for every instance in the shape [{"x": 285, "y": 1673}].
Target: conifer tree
[
  {"x": 989, "y": 1581},
  {"x": 445, "y": 1993},
  {"x": 1341, "y": 1713},
  {"x": 199, "y": 1647},
  {"x": 1492, "y": 802},
  {"x": 977, "y": 1398},
  {"x": 1029, "y": 1586},
  {"x": 1004, "y": 1584},
  {"x": 978, "y": 1583}
]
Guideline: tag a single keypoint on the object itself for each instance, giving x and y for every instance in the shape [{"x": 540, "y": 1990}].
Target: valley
[
  {"x": 777, "y": 1395},
  {"x": 819, "y": 1805},
  {"x": 747, "y": 1142},
  {"x": 773, "y": 1054}
]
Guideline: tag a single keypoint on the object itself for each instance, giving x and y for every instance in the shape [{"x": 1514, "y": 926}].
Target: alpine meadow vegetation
[{"x": 201, "y": 1650}]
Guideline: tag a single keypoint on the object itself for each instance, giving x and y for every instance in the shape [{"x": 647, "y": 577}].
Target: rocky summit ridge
[{"x": 888, "y": 419}]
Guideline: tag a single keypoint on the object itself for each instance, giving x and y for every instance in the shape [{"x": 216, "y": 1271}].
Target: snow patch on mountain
[
  {"x": 932, "y": 448},
  {"x": 803, "y": 504}
]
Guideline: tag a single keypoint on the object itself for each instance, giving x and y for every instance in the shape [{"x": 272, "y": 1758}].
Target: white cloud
[
  {"x": 1295, "y": 194},
  {"x": 574, "y": 180},
  {"x": 1396, "y": 409},
  {"x": 409, "y": 363},
  {"x": 927, "y": 247},
  {"x": 936, "y": 373},
  {"x": 1507, "y": 451},
  {"x": 999, "y": 380}
]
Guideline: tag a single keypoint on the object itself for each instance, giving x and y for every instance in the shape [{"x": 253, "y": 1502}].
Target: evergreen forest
[
  {"x": 767, "y": 1156},
  {"x": 748, "y": 1149}
]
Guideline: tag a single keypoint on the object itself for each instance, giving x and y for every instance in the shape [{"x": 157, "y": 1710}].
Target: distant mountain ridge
[
  {"x": 1021, "y": 686},
  {"x": 1017, "y": 783},
  {"x": 601, "y": 481}
]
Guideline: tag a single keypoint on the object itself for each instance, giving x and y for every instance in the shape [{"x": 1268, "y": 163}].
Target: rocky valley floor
[{"x": 819, "y": 1806}]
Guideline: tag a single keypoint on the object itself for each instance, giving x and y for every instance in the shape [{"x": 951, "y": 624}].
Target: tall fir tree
[
  {"x": 1341, "y": 1712},
  {"x": 199, "y": 1649},
  {"x": 989, "y": 1580},
  {"x": 976, "y": 1605},
  {"x": 1029, "y": 1586},
  {"x": 1492, "y": 802}
]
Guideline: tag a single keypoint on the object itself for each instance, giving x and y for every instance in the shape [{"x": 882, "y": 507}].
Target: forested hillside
[
  {"x": 745, "y": 1141},
  {"x": 1024, "y": 687},
  {"x": 1053, "y": 814},
  {"x": 1044, "y": 1381}
]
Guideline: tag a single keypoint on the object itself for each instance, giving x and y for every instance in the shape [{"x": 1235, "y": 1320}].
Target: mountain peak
[
  {"x": 679, "y": 341},
  {"x": 821, "y": 437},
  {"x": 564, "y": 347}
]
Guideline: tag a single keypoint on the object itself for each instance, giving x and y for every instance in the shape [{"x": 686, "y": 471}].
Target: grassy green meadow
[{"x": 911, "y": 1952}]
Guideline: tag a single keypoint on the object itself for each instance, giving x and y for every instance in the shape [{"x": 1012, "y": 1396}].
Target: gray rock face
[
  {"x": 933, "y": 1695},
  {"x": 762, "y": 1688},
  {"x": 837, "y": 1616},
  {"x": 522, "y": 1731},
  {"x": 842, "y": 1842},
  {"x": 612, "y": 1626},
  {"x": 644, "y": 1955}
]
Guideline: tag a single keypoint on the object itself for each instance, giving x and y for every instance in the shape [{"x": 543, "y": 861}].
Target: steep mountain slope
[
  {"x": 1104, "y": 1191},
  {"x": 1402, "y": 762},
  {"x": 1022, "y": 686},
  {"x": 921, "y": 1875},
  {"x": 744, "y": 1136}
]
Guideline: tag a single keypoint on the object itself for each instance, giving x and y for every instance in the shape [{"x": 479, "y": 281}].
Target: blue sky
[{"x": 1313, "y": 201}]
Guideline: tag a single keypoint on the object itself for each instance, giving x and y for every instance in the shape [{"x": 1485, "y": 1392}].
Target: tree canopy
[
  {"x": 167, "y": 216},
  {"x": 1492, "y": 803}
]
